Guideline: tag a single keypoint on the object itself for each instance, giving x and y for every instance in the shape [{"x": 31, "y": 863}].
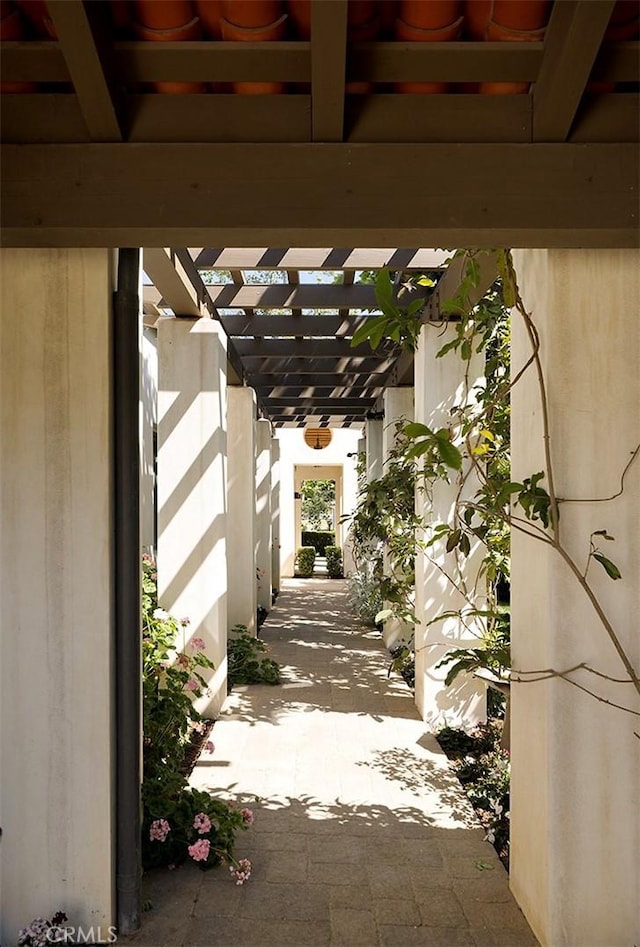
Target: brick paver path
[{"x": 362, "y": 835}]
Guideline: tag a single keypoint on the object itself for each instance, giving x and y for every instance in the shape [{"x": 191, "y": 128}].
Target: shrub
[
  {"x": 319, "y": 539},
  {"x": 177, "y": 822},
  {"x": 334, "y": 562},
  {"x": 364, "y": 590},
  {"x": 246, "y": 665},
  {"x": 305, "y": 560}
]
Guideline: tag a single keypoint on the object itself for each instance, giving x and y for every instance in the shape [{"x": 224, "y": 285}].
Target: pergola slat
[
  {"x": 312, "y": 348},
  {"x": 573, "y": 38},
  {"x": 298, "y": 326},
  {"x": 328, "y": 68},
  {"x": 259, "y": 365},
  {"x": 329, "y": 380},
  {"x": 307, "y": 296},
  {"x": 79, "y": 44}
]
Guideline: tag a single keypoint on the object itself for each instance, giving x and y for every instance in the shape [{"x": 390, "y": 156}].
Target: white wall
[
  {"x": 575, "y": 817},
  {"x": 295, "y": 452},
  {"x": 241, "y": 491},
  {"x": 56, "y": 705},
  {"x": 148, "y": 422},
  {"x": 263, "y": 511},
  {"x": 192, "y": 490},
  {"x": 439, "y": 386}
]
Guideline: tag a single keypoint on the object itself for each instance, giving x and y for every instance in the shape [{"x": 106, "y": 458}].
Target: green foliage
[
  {"x": 318, "y": 505},
  {"x": 399, "y": 324},
  {"x": 304, "y": 561},
  {"x": 483, "y": 768},
  {"x": 319, "y": 539},
  {"x": 246, "y": 661},
  {"x": 494, "y": 652},
  {"x": 364, "y": 590},
  {"x": 385, "y": 523},
  {"x": 334, "y": 562},
  {"x": 171, "y": 679}
]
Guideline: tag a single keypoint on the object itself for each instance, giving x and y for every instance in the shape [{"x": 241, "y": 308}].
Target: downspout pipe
[{"x": 128, "y": 646}]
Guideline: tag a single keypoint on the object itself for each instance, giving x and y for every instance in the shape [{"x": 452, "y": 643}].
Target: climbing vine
[{"x": 472, "y": 453}]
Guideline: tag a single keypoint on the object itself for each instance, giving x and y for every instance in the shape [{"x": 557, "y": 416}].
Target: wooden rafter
[
  {"x": 573, "y": 38},
  {"x": 80, "y": 44},
  {"x": 293, "y": 325},
  {"x": 328, "y": 68},
  {"x": 301, "y": 296},
  {"x": 311, "y": 348}
]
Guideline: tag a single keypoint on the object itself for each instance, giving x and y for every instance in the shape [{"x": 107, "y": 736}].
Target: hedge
[
  {"x": 319, "y": 539},
  {"x": 304, "y": 562},
  {"x": 334, "y": 562}
]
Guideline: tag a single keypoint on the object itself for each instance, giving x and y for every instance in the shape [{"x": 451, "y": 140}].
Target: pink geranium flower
[
  {"x": 159, "y": 830},
  {"x": 191, "y": 685},
  {"x": 209, "y": 746},
  {"x": 198, "y": 644},
  {"x": 202, "y": 823},
  {"x": 247, "y": 815},
  {"x": 242, "y": 872},
  {"x": 199, "y": 851}
]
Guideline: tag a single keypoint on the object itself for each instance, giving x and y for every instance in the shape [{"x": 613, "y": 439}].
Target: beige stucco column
[
  {"x": 192, "y": 518},
  {"x": 241, "y": 489},
  {"x": 439, "y": 386},
  {"x": 398, "y": 405},
  {"x": 575, "y": 817},
  {"x": 263, "y": 511},
  {"x": 373, "y": 440},
  {"x": 275, "y": 514},
  {"x": 56, "y": 635},
  {"x": 148, "y": 420}
]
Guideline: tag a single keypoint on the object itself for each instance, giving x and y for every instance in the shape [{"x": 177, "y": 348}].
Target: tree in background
[{"x": 318, "y": 504}]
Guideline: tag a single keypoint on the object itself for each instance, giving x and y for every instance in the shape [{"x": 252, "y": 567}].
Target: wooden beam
[
  {"x": 298, "y": 326},
  {"x": 326, "y": 405},
  {"x": 324, "y": 381},
  {"x": 314, "y": 258},
  {"x": 33, "y": 61},
  {"x": 86, "y": 63},
  {"x": 301, "y": 296},
  {"x": 551, "y": 195},
  {"x": 288, "y": 61},
  {"x": 318, "y": 392},
  {"x": 170, "y": 280},
  {"x": 328, "y": 68},
  {"x": 573, "y": 38},
  {"x": 444, "y": 62},
  {"x": 259, "y": 365},
  {"x": 311, "y": 348}
]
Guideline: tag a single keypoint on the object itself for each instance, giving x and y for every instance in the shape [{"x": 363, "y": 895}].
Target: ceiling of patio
[{"x": 289, "y": 315}]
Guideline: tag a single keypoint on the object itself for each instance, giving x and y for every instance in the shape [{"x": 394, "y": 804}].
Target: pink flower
[
  {"x": 159, "y": 830},
  {"x": 243, "y": 871},
  {"x": 198, "y": 644},
  {"x": 183, "y": 660},
  {"x": 202, "y": 823},
  {"x": 199, "y": 851},
  {"x": 184, "y": 622},
  {"x": 247, "y": 815},
  {"x": 210, "y": 747},
  {"x": 191, "y": 685}
]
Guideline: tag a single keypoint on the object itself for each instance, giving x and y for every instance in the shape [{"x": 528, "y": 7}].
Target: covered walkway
[{"x": 362, "y": 836}]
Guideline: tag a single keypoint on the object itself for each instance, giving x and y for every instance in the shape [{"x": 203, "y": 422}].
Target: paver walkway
[{"x": 362, "y": 835}]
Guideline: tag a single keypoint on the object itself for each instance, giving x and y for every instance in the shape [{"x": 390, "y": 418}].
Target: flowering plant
[
  {"x": 178, "y": 822},
  {"x": 41, "y": 933}
]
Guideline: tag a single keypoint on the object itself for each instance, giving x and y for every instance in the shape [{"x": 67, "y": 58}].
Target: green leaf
[
  {"x": 384, "y": 286},
  {"x": 604, "y": 534},
  {"x": 464, "y": 545},
  {"x": 609, "y": 567},
  {"x": 449, "y": 453},
  {"x": 415, "y": 429},
  {"x": 453, "y": 540}
]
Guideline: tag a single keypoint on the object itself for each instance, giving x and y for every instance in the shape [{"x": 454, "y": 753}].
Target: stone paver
[{"x": 362, "y": 835}]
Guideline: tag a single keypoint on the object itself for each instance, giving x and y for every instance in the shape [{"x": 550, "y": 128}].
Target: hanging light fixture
[{"x": 317, "y": 445}]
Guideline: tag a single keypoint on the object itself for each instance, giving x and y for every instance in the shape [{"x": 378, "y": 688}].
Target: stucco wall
[
  {"x": 575, "y": 817},
  {"x": 56, "y": 710}
]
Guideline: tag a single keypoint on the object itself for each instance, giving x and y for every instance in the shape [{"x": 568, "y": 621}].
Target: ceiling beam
[
  {"x": 326, "y": 405},
  {"x": 78, "y": 39},
  {"x": 318, "y": 258},
  {"x": 573, "y": 38},
  {"x": 328, "y": 68},
  {"x": 288, "y": 61},
  {"x": 259, "y": 365},
  {"x": 316, "y": 392},
  {"x": 302, "y": 296},
  {"x": 329, "y": 380},
  {"x": 551, "y": 195},
  {"x": 311, "y": 348},
  {"x": 298, "y": 326},
  {"x": 170, "y": 280}
]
